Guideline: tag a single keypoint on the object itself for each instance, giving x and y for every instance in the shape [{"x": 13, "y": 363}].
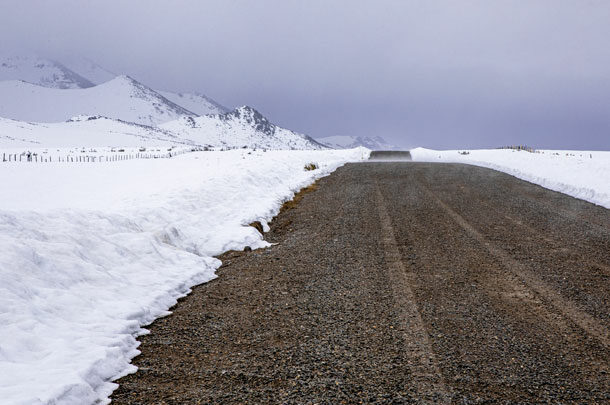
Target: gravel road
[{"x": 398, "y": 283}]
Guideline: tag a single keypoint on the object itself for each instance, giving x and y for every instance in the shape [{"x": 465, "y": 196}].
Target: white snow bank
[
  {"x": 90, "y": 253},
  {"x": 580, "y": 174}
]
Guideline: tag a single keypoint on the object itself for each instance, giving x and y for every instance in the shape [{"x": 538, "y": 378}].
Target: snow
[
  {"x": 121, "y": 98},
  {"x": 88, "y": 69},
  {"x": 239, "y": 128},
  {"x": 197, "y": 103},
  {"x": 43, "y": 72},
  {"x": 580, "y": 174},
  {"x": 349, "y": 142},
  {"x": 243, "y": 126},
  {"x": 84, "y": 131},
  {"x": 91, "y": 252}
]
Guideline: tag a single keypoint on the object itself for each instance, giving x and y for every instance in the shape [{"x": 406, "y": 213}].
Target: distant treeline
[{"x": 519, "y": 147}]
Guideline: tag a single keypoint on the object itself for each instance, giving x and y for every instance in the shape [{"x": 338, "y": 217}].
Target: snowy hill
[
  {"x": 349, "y": 142},
  {"x": 89, "y": 70},
  {"x": 40, "y": 71},
  {"x": 77, "y": 72},
  {"x": 121, "y": 98},
  {"x": 241, "y": 127},
  {"x": 244, "y": 127},
  {"x": 84, "y": 131},
  {"x": 194, "y": 102}
]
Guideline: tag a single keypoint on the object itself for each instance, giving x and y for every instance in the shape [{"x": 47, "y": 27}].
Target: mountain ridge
[
  {"x": 242, "y": 127},
  {"x": 40, "y": 71},
  {"x": 121, "y": 98},
  {"x": 349, "y": 142}
]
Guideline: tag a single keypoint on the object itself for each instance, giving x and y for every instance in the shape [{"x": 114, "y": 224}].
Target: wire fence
[{"x": 84, "y": 157}]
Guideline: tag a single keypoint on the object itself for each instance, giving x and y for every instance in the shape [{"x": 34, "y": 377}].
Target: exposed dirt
[{"x": 398, "y": 283}]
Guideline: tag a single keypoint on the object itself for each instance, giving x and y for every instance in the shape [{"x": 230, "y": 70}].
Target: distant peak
[
  {"x": 246, "y": 109},
  {"x": 248, "y": 113},
  {"x": 252, "y": 117},
  {"x": 124, "y": 78}
]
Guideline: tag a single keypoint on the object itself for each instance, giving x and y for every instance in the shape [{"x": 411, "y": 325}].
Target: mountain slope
[
  {"x": 84, "y": 132},
  {"x": 77, "y": 72},
  {"x": 197, "y": 103},
  {"x": 121, "y": 98},
  {"x": 88, "y": 69},
  {"x": 40, "y": 71},
  {"x": 241, "y": 127},
  {"x": 349, "y": 142}
]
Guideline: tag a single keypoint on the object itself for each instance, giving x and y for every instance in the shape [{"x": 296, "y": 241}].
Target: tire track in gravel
[
  {"x": 550, "y": 243},
  {"x": 569, "y": 309},
  {"x": 397, "y": 283},
  {"x": 569, "y": 255},
  {"x": 496, "y": 339},
  {"x": 427, "y": 377}
]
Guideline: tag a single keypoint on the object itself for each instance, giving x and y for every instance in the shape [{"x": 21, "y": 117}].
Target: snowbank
[
  {"x": 581, "y": 174},
  {"x": 92, "y": 252}
]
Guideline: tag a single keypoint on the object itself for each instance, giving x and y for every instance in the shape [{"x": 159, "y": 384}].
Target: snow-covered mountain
[
  {"x": 195, "y": 102},
  {"x": 241, "y": 127},
  {"x": 88, "y": 69},
  {"x": 77, "y": 72},
  {"x": 84, "y": 131},
  {"x": 119, "y": 111},
  {"x": 40, "y": 71},
  {"x": 349, "y": 142},
  {"x": 121, "y": 98}
]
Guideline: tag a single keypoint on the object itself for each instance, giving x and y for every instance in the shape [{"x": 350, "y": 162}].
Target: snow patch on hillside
[
  {"x": 580, "y": 174},
  {"x": 197, "y": 103}
]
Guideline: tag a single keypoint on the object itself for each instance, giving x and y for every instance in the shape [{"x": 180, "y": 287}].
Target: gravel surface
[{"x": 398, "y": 283}]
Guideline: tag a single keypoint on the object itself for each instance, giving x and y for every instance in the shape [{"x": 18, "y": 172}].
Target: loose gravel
[{"x": 398, "y": 283}]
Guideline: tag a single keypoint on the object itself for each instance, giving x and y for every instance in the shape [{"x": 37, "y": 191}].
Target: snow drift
[
  {"x": 93, "y": 252},
  {"x": 580, "y": 174}
]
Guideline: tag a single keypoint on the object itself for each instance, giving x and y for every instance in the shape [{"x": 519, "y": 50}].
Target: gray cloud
[{"x": 431, "y": 73}]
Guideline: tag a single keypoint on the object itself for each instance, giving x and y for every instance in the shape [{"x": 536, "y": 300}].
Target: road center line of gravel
[
  {"x": 428, "y": 379},
  {"x": 566, "y": 307}
]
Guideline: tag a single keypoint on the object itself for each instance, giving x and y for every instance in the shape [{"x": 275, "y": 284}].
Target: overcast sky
[{"x": 441, "y": 74}]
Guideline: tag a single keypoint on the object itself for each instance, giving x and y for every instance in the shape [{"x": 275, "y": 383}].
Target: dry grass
[
  {"x": 311, "y": 166},
  {"x": 258, "y": 226},
  {"x": 290, "y": 204}
]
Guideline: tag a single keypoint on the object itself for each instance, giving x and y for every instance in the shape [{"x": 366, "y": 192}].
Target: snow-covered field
[
  {"x": 92, "y": 252},
  {"x": 581, "y": 174}
]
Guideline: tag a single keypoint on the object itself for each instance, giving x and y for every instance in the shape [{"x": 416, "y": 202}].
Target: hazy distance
[{"x": 440, "y": 74}]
